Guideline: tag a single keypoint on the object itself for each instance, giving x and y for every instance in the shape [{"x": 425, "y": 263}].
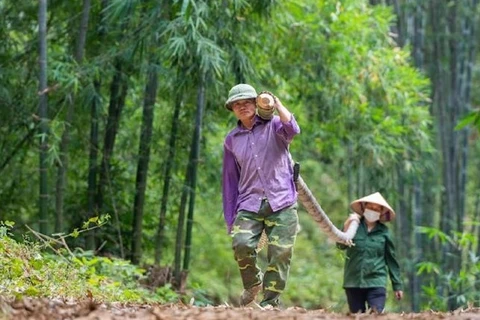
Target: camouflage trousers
[{"x": 281, "y": 229}]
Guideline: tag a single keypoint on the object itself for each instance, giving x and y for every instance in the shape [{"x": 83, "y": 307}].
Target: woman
[{"x": 371, "y": 257}]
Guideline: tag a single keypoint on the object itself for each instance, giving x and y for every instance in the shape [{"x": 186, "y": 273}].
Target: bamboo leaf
[{"x": 472, "y": 118}]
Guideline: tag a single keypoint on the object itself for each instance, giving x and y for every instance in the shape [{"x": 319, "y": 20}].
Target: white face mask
[{"x": 371, "y": 215}]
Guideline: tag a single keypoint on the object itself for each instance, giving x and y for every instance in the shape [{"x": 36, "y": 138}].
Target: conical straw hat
[{"x": 359, "y": 205}]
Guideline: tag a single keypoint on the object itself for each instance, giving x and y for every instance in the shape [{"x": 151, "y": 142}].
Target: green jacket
[{"x": 367, "y": 262}]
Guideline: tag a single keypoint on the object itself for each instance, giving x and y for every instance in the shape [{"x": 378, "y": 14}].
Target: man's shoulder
[
  {"x": 231, "y": 133},
  {"x": 229, "y": 137}
]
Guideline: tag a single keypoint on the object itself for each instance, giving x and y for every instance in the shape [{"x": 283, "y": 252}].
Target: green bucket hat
[{"x": 240, "y": 92}]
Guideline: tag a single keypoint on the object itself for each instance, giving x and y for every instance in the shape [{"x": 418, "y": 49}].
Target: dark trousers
[{"x": 374, "y": 297}]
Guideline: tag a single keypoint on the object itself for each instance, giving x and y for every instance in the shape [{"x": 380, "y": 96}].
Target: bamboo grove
[{"x": 114, "y": 108}]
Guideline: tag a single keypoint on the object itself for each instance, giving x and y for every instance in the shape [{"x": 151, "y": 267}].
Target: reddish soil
[{"x": 45, "y": 309}]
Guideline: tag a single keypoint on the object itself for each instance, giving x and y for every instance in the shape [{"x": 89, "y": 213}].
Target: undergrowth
[{"x": 41, "y": 269}]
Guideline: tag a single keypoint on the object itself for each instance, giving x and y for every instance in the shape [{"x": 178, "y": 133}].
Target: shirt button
[
  {"x": 260, "y": 198},
  {"x": 258, "y": 168},
  {"x": 256, "y": 156}
]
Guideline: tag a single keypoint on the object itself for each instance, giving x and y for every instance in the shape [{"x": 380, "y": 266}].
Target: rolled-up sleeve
[
  {"x": 230, "y": 178},
  {"x": 340, "y": 245},
  {"x": 287, "y": 130}
]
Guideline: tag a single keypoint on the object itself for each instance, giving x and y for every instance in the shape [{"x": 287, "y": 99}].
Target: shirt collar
[{"x": 258, "y": 121}]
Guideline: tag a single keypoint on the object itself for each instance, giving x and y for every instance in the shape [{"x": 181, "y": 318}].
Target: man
[{"x": 259, "y": 193}]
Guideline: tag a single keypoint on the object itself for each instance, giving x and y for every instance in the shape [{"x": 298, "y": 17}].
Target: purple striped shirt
[{"x": 257, "y": 165}]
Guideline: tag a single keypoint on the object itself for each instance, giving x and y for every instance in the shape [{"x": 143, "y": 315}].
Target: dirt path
[{"x": 44, "y": 309}]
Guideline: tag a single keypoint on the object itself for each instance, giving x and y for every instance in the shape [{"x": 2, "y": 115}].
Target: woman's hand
[{"x": 399, "y": 294}]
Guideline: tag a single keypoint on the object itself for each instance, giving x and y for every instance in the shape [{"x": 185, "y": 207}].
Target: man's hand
[{"x": 285, "y": 115}]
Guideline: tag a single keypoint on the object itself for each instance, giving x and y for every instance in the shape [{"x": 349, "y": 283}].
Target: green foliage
[
  {"x": 370, "y": 89},
  {"x": 5, "y": 226},
  {"x": 472, "y": 118},
  {"x": 443, "y": 283},
  {"x": 362, "y": 108},
  {"x": 27, "y": 270}
]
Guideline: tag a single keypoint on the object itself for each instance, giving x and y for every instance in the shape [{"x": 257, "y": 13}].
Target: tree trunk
[
  {"x": 118, "y": 93},
  {"x": 418, "y": 35},
  {"x": 65, "y": 141},
  {"x": 441, "y": 98},
  {"x": 402, "y": 223},
  {"x": 468, "y": 48},
  {"x": 94, "y": 141},
  {"x": 62, "y": 168},
  {"x": 82, "y": 35},
  {"x": 453, "y": 29},
  {"x": 143, "y": 161},
  {"x": 43, "y": 114},
  {"x": 159, "y": 243},
  {"x": 195, "y": 160},
  {"x": 92, "y": 162},
  {"x": 417, "y": 253},
  {"x": 177, "y": 272},
  {"x": 418, "y": 42}
]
